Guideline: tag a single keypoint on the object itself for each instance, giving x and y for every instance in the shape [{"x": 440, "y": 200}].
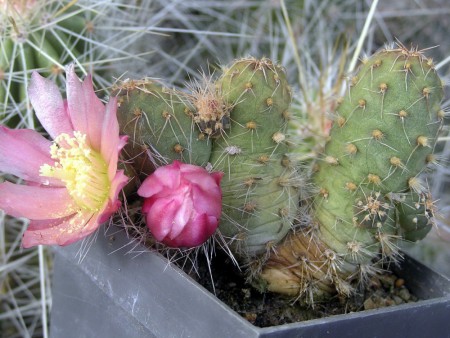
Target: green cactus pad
[
  {"x": 386, "y": 127},
  {"x": 159, "y": 122},
  {"x": 259, "y": 186},
  {"x": 384, "y": 132}
]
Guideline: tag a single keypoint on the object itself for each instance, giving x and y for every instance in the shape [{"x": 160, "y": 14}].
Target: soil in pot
[
  {"x": 269, "y": 309},
  {"x": 220, "y": 276}
]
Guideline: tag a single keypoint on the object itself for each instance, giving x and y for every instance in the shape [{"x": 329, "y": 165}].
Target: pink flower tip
[{"x": 182, "y": 204}]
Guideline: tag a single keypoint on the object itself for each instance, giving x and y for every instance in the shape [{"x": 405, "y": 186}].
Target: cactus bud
[{"x": 182, "y": 204}]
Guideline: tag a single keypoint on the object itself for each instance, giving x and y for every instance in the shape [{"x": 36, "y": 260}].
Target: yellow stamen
[{"x": 83, "y": 170}]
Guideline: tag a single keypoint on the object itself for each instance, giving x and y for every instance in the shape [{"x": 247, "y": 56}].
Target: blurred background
[{"x": 318, "y": 42}]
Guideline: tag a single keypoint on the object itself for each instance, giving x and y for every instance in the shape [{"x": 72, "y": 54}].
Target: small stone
[
  {"x": 388, "y": 280},
  {"x": 247, "y": 293},
  {"x": 251, "y": 317},
  {"x": 399, "y": 282},
  {"x": 404, "y": 294},
  {"x": 398, "y": 300},
  {"x": 369, "y": 304},
  {"x": 389, "y": 301}
]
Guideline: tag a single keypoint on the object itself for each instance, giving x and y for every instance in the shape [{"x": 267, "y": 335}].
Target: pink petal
[
  {"x": 209, "y": 202},
  {"x": 169, "y": 175},
  {"x": 60, "y": 232},
  {"x": 163, "y": 181},
  {"x": 45, "y": 223},
  {"x": 202, "y": 178},
  {"x": 113, "y": 204},
  {"x": 122, "y": 142},
  {"x": 22, "y": 152},
  {"x": 151, "y": 186},
  {"x": 85, "y": 108},
  {"x": 217, "y": 177},
  {"x": 206, "y": 227},
  {"x": 184, "y": 212},
  {"x": 35, "y": 202},
  {"x": 111, "y": 143},
  {"x": 193, "y": 236},
  {"x": 160, "y": 216},
  {"x": 49, "y": 106}
]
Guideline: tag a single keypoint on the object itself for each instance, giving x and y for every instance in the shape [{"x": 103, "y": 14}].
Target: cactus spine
[
  {"x": 385, "y": 130},
  {"x": 259, "y": 186}
]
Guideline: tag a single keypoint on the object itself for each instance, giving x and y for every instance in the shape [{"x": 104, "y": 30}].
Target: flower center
[{"x": 83, "y": 170}]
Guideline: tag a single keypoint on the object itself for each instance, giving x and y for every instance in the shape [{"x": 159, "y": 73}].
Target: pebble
[
  {"x": 399, "y": 282},
  {"x": 398, "y": 300},
  {"x": 404, "y": 294}
]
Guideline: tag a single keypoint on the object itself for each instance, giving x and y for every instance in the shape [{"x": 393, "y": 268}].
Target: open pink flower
[
  {"x": 71, "y": 184},
  {"x": 183, "y": 203}
]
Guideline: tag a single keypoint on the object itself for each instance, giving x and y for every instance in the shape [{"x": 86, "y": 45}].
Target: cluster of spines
[
  {"x": 212, "y": 112},
  {"x": 380, "y": 143}
]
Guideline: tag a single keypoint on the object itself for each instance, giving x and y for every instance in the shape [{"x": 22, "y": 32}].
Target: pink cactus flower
[
  {"x": 182, "y": 204},
  {"x": 71, "y": 183}
]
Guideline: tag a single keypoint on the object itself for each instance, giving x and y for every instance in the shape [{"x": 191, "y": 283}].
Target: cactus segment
[
  {"x": 159, "y": 122},
  {"x": 386, "y": 129},
  {"x": 259, "y": 187},
  {"x": 415, "y": 215},
  {"x": 391, "y": 125},
  {"x": 6, "y": 51}
]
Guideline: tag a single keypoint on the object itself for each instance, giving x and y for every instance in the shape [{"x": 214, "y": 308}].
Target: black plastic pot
[{"x": 112, "y": 293}]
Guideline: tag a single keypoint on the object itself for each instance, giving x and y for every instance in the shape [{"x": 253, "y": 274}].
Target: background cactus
[
  {"x": 37, "y": 35},
  {"x": 47, "y": 35},
  {"x": 384, "y": 132},
  {"x": 103, "y": 38}
]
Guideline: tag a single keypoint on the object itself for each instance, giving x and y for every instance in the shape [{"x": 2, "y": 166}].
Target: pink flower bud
[{"x": 182, "y": 204}]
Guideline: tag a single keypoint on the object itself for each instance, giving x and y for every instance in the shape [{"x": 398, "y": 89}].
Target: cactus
[
  {"x": 415, "y": 215},
  {"x": 369, "y": 195},
  {"x": 383, "y": 134},
  {"x": 160, "y": 124},
  {"x": 259, "y": 187}
]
